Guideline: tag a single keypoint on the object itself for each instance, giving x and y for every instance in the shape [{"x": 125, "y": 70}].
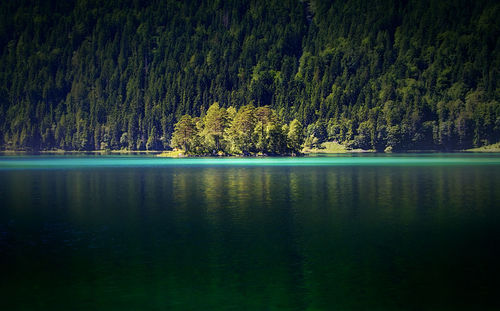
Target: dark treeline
[{"x": 89, "y": 74}]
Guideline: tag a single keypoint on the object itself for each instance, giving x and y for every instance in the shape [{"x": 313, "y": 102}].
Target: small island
[{"x": 246, "y": 131}]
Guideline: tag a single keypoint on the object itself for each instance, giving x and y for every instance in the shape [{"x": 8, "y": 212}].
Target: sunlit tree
[{"x": 185, "y": 133}]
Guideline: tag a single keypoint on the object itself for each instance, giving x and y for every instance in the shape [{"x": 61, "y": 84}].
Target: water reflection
[{"x": 261, "y": 237}]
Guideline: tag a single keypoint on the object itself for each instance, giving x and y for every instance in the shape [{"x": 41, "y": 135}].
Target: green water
[{"x": 362, "y": 232}]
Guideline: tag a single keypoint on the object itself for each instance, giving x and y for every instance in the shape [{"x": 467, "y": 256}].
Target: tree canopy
[{"x": 242, "y": 134}]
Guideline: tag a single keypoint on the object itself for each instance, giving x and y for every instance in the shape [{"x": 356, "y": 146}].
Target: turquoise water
[
  {"x": 74, "y": 162},
  {"x": 349, "y": 232}
]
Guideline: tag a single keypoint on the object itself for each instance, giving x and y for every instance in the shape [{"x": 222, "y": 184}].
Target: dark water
[{"x": 355, "y": 233}]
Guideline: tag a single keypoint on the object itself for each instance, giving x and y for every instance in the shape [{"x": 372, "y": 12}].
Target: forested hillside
[{"x": 90, "y": 74}]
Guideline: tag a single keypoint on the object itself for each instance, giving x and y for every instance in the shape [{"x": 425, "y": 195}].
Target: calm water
[{"x": 412, "y": 232}]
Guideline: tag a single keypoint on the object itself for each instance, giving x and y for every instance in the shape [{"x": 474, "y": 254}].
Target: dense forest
[{"x": 119, "y": 74}]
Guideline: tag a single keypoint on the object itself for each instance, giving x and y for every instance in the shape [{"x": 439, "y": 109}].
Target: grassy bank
[
  {"x": 172, "y": 154},
  {"x": 487, "y": 148},
  {"x": 332, "y": 147}
]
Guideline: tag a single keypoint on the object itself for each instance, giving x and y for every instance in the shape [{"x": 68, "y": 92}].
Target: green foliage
[
  {"x": 185, "y": 133},
  {"x": 295, "y": 136},
  {"x": 251, "y": 130},
  {"x": 83, "y": 75},
  {"x": 241, "y": 133},
  {"x": 214, "y": 124}
]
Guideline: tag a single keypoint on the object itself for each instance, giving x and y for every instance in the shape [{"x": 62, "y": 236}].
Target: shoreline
[
  {"x": 177, "y": 154},
  {"x": 325, "y": 149},
  {"x": 97, "y": 152}
]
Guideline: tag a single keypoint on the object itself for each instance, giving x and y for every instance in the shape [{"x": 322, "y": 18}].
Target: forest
[{"x": 123, "y": 74}]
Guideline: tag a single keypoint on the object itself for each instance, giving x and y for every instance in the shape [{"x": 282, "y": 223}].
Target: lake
[{"x": 346, "y": 232}]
